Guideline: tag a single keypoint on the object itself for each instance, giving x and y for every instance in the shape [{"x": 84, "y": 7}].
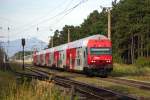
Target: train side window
[
  {"x": 49, "y": 61},
  {"x": 86, "y": 50},
  {"x": 63, "y": 56},
  {"x": 84, "y": 54},
  {"x": 78, "y": 53},
  {"x": 78, "y": 62}
]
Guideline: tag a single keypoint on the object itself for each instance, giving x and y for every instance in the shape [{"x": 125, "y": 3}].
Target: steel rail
[
  {"x": 95, "y": 91},
  {"x": 138, "y": 84}
]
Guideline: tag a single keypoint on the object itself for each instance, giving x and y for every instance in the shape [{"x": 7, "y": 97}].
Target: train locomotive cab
[{"x": 99, "y": 57}]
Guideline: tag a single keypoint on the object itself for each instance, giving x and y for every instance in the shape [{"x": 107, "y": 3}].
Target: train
[{"x": 91, "y": 55}]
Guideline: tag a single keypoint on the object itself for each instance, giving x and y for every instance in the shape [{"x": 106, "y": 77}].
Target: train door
[
  {"x": 51, "y": 63},
  {"x": 44, "y": 60},
  {"x": 56, "y": 58},
  {"x": 63, "y": 58},
  {"x": 70, "y": 61},
  {"x": 38, "y": 59},
  {"x": 60, "y": 61},
  {"x": 37, "y": 63},
  {"x": 79, "y": 59},
  {"x": 84, "y": 50},
  {"x": 47, "y": 57},
  {"x": 34, "y": 57},
  {"x": 72, "y": 58}
]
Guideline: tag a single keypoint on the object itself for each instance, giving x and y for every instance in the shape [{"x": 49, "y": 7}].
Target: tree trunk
[
  {"x": 138, "y": 49},
  {"x": 141, "y": 46},
  {"x": 128, "y": 54},
  {"x": 132, "y": 50},
  {"x": 147, "y": 52},
  {"x": 147, "y": 49}
]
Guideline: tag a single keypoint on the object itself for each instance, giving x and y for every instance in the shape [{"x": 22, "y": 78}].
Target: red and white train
[{"x": 92, "y": 55}]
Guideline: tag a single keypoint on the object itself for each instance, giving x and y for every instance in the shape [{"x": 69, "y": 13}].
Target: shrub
[
  {"x": 129, "y": 70},
  {"x": 142, "y": 62},
  {"x": 117, "y": 58}
]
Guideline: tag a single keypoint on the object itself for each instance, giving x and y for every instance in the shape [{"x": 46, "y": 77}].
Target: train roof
[
  {"x": 83, "y": 42},
  {"x": 41, "y": 52},
  {"x": 75, "y": 44}
]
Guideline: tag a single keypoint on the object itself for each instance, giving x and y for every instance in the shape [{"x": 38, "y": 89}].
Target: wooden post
[
  {"x": 109, "y": 24},
  {"x": 51, "y": 41},
  {"x": 68, "y": 35}
]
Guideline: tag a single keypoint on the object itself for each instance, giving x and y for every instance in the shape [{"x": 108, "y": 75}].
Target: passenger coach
[{"x": 92, "y": 55}]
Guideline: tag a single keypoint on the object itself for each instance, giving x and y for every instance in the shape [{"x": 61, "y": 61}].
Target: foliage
[
  {"x": 130, "y": 26},
  {"x": 129, "y": 70},
  {"x": 130, "y": 29},
  {"x": 143, "y": 62},
  {"x": 19, "y": 55},
  {"x": 29, "y": 90},
  {"x": 117, "y": 58}
]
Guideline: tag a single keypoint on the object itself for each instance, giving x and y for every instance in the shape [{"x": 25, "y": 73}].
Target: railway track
[
  {"x": 86, "y": 89},
  {"x": 97, "y": 93},
  {"x": 133, "y": 83},
  {"x": 138, "y": 84}
]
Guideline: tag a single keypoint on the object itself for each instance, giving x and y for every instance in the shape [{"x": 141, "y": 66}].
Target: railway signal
[{"x": 23, "y": 44}]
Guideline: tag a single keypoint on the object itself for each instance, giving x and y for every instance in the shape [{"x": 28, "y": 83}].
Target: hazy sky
[{"x": 24, "y": 16}]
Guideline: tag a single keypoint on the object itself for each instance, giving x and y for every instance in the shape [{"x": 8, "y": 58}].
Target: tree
[{"x": 130, "y": 29}]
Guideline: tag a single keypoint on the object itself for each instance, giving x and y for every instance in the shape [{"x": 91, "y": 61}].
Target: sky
[{"x": 23, "y": 17}]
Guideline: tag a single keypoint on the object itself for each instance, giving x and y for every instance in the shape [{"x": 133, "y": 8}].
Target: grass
[
  {"x": 33, "y": 90},
  {"x": 16, "y": 66},
  {"x": 53, "y": 93},
  {"x": 140, "y": 93},
  {"x": 141, "y": 78},
  {"x": 130, "y": 70}
]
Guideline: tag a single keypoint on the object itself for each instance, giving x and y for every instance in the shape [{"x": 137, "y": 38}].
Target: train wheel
[
  {"x": 88, "y": 72},
  {"x": 104, "y": 75}
]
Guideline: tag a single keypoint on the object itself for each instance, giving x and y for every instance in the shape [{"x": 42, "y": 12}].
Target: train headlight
[
  {"x": 108, "y": 61},
  {"x": 93, "y": 61}
]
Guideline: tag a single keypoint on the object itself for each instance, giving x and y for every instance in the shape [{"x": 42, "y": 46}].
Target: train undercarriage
[{"x": 102, "y": 71}]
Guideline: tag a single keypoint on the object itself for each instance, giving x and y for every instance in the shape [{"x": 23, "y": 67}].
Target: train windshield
[{"x": 99, "y": 51}]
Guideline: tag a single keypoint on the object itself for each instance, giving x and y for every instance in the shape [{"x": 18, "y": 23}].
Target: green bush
[
  {"x": 142, "y": 62},
  {"x": 117, "y": 58},
  {"x": 129, "y": 70}
]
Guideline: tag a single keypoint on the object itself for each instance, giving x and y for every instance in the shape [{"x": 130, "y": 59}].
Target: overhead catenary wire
[
  {"x": 37, "y": 28},
  {"x": 38, "y": 20},
  {"x": 41, "y": 17},
  {"x": 53, "y": 17}
]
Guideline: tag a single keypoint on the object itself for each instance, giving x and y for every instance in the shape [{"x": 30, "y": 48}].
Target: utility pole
[
  {"x": 8, "y": 44},
  {"x": 109, "y": 21},
  {"x": 68, "y": 35},
  {"x": 51, "y": 41}
]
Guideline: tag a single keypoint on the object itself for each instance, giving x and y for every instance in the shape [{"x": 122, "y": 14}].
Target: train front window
[{"x": 99, "y": 51}]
